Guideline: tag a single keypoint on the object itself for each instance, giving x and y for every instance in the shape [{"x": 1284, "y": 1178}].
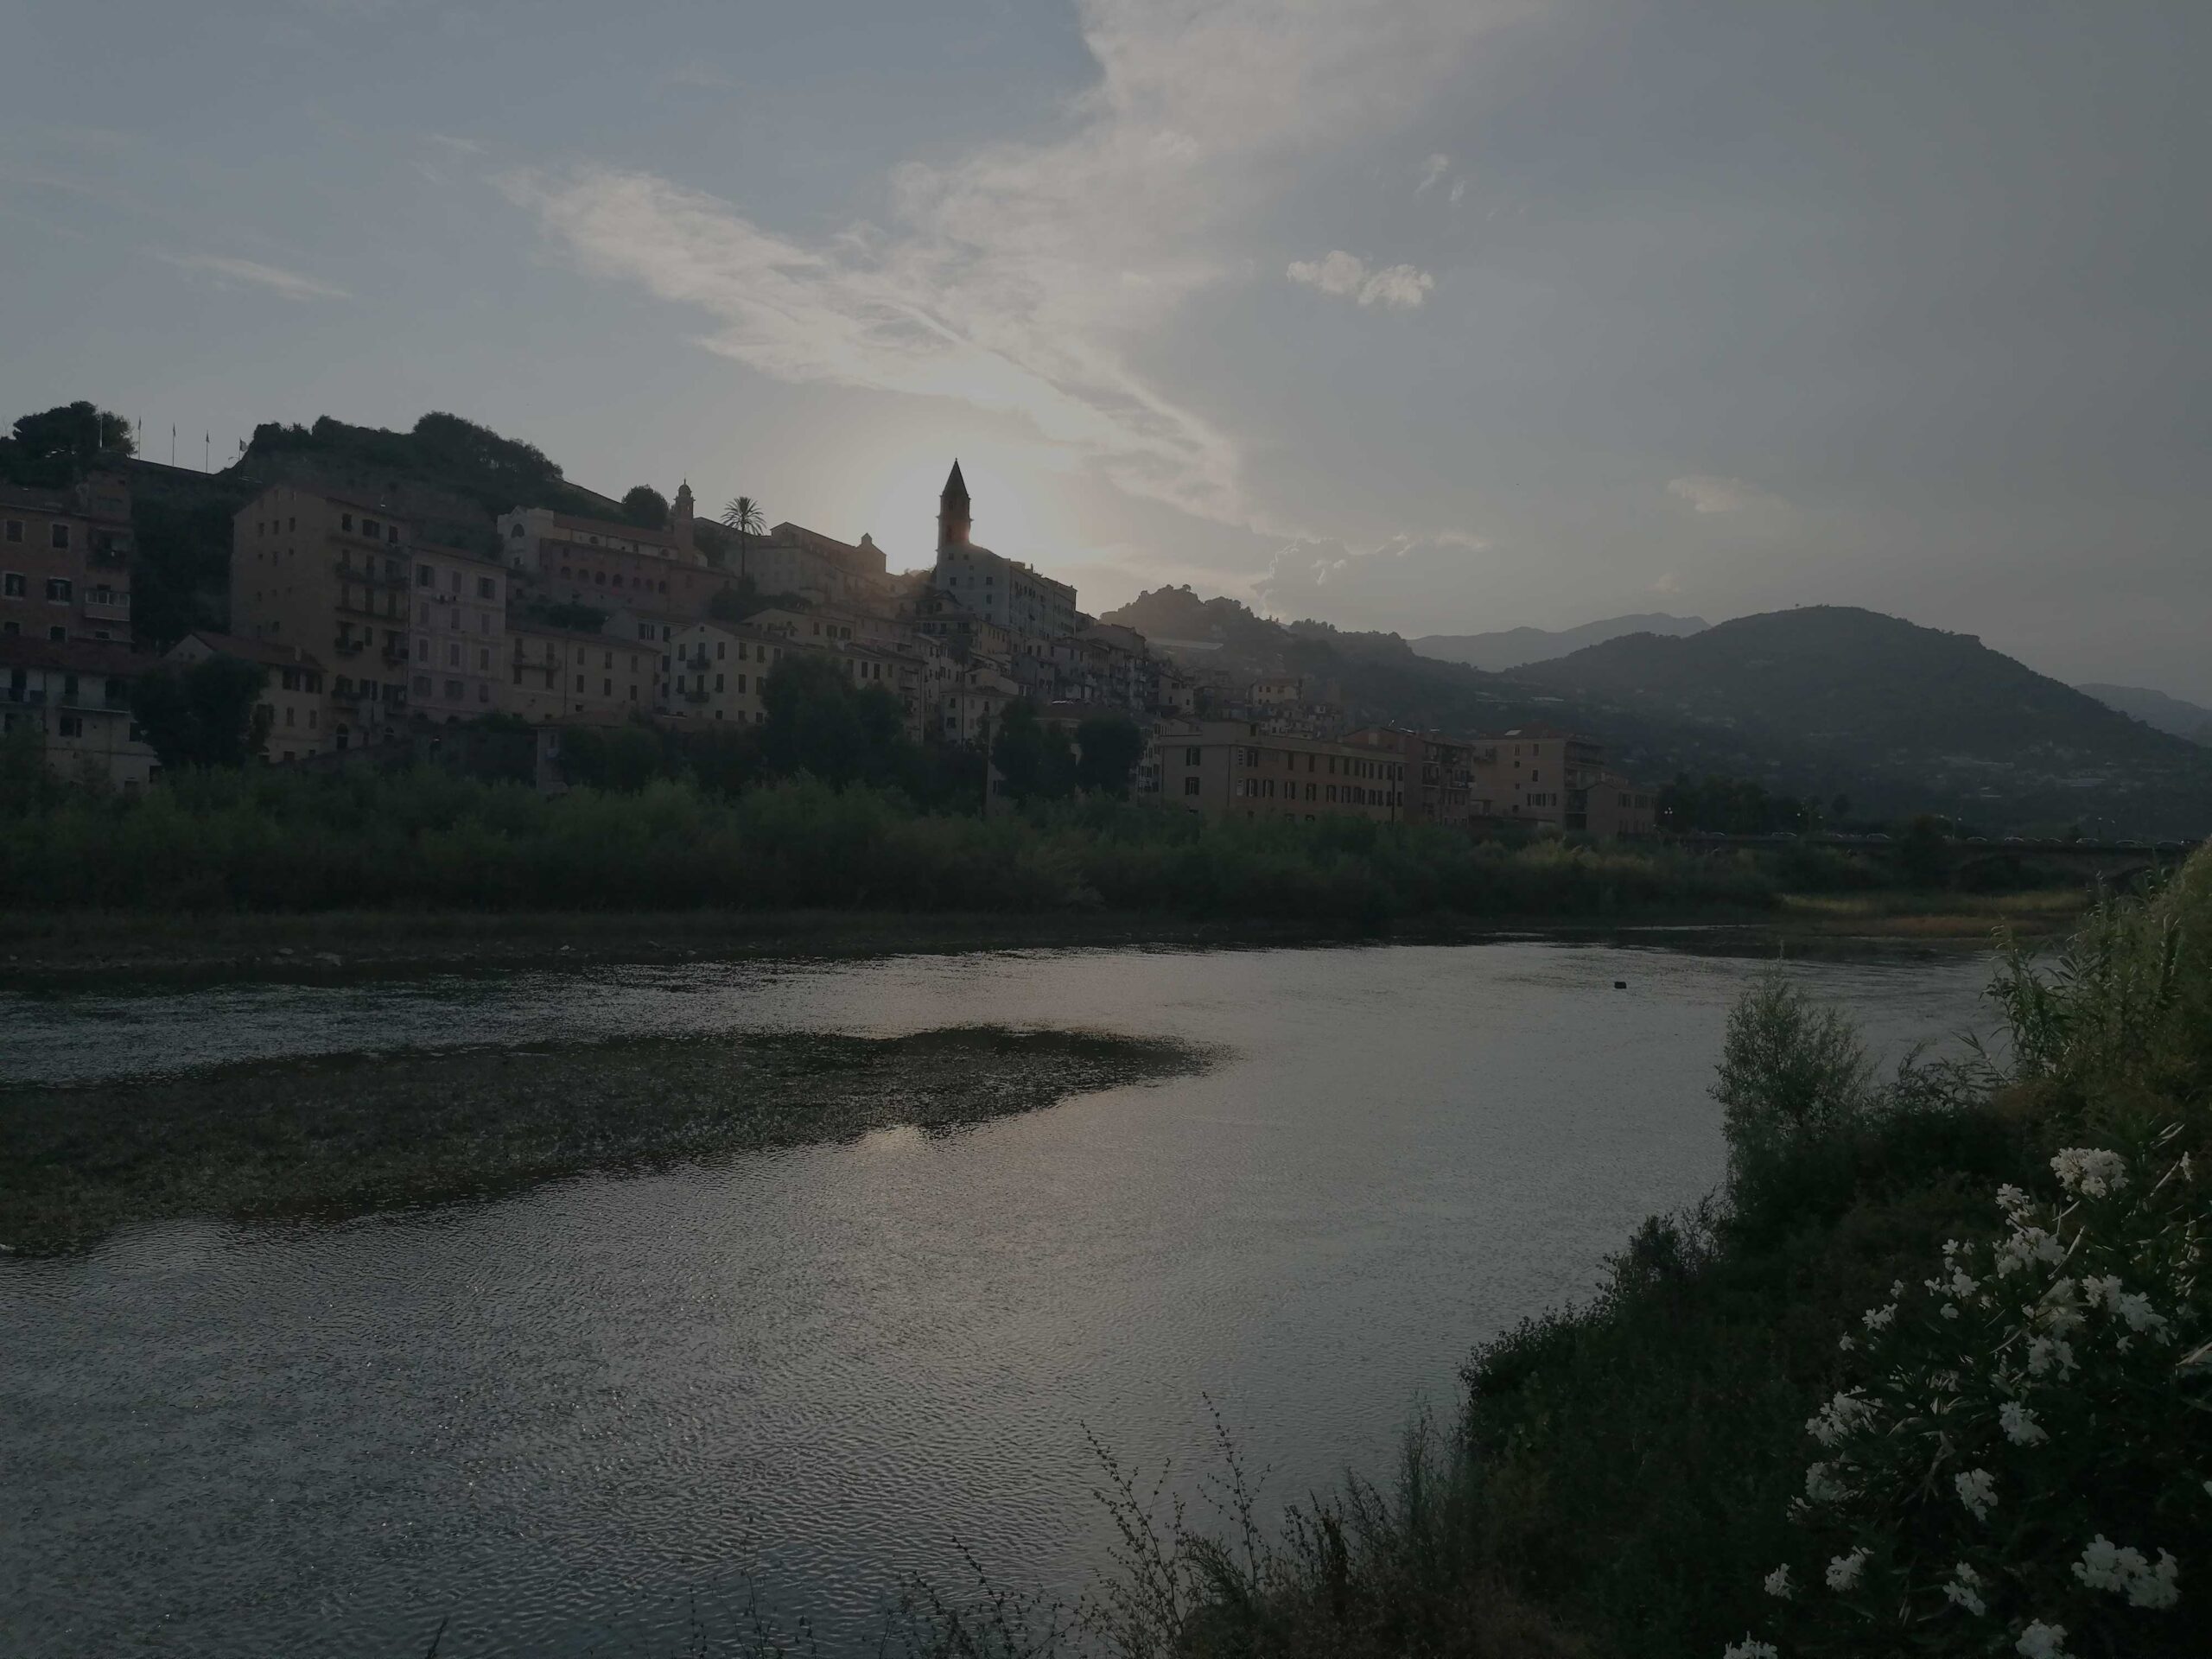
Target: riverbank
[
  {"x": 342, "y": 1135},
  {"x": 42, "y": 951}
]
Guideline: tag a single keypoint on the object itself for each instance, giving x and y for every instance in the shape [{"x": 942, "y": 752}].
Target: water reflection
[{"x": 561, "y": 1418}]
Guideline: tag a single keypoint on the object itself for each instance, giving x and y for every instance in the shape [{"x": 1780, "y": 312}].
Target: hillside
[
  {"x": 1817, "y": 702},
  {"x": 1828, "y": 691},
  {"x": 1510, "y": 648},
  {"x": 2189, "y": 720}
]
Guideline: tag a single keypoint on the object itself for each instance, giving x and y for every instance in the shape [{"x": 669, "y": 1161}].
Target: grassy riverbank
[
  {"x": 351, "y": 1133},
  {"x": 1931, "y": 1374}
]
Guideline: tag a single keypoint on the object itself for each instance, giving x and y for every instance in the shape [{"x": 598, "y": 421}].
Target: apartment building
[
  {"x": 330, "y": 575},
  {"x": 77, "y": 695},
  {"x": 718, "y": 668},
  {"x": 295, "y": 697},
  {"x": 65, "y": 561},
  {"x": 1438, "y": 787},
  {"x": 1537, "y": 774},
  {"x": 611, "y": 565},
  {"x": 792, "y": 559},
  {"x": 1614, "y": 807},
  {"x": 461, "y": 664},
  {"x": 1232, "y": 769},
  {"x": 999, "y": 590},
  {"x": 651, "y": 628},
  {"x": 560, "y": 674}
]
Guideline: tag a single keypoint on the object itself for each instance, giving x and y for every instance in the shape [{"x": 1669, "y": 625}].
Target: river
[{"x": 576, "y": 1420}]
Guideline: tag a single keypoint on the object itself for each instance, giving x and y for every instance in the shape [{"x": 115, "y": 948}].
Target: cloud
[
  {"x": 285, "y": 284},
  {"x": 1721, "y": 494},
  {"x": 1433, "y": 169},
  {"x": 1025, "y": 277},
  {"x": 1399, "y": 287},
  {"x": 1311, "y": 577},
  {"x": 1459, "y": 189}
]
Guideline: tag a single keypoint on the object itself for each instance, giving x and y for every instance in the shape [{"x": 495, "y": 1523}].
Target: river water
[{"x": 577, "y": 1419}]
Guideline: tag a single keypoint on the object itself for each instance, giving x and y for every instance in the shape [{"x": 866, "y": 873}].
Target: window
[
  {"x": 483, "y": 692},
  {"x": 422, "y": 651},
  {"x": 719, "y": 686},
  {"x": 61, "y": 537},
  {"x": 16, "y": 586},
  {"x": 371, "y": 529},
  {"x": 290, "y": 714},
  {"x": 425, "y": 577},
  {"x": 422, "y": 685},
  {"x": 70, "y": 725},
  {"x": 57, "y": 634},
  {"x": 58, "y": 589},
  {"x": 484, "y": 656},
  {"x": 1190, "y": 785},
  {"x": 345, "y": 522},
  {"x": 487, "y": 588},
  {"x": 14, "y": 529},
  {"x": 452, "y": 690}
]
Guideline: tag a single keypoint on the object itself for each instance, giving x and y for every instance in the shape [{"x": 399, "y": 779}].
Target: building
[
  {"x": 460, "y": 615},
  {"x": 1231, "y": 769},
  {"x": 1614, "y": 807},
  {"x": 717, "y": 669},
  {"x": 296, "y": 696},
  {"x": 559, "y": 674},
  {"x": 1438, "y": 787},
  {"x": 1537, "y": 774},
  {"x": 77, "y": 695},
  {"x": 999, "y": 589},
  {"x": 611, "y": 565},
  {"x": 65, "y": 561},
  {"x": 792, "y": 559},
  {"x": 330, "y": 575}
]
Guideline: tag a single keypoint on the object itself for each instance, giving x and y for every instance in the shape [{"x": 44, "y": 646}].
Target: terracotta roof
[
  {"x": 73, "y": 656},
  {"x": 612, "y": 642},
  {"x": 267, "y": 651}
]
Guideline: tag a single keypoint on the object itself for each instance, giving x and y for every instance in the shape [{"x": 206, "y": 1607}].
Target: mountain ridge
[{"x": 1510, "y": 648}]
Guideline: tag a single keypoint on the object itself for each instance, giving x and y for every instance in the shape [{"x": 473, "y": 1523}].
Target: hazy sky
[{"x": 1437, "y": 315}]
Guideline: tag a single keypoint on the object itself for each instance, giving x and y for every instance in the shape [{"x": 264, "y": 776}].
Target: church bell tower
[{"x": 952, "y": 513}]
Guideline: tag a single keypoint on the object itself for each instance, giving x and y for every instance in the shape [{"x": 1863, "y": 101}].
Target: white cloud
[
  {"x": 1399, "y": 287},
  {"x": 1721, "y": 494},
  {"x": 1023, "y": 278},
  {"x": 1307, "y": 577},
  {"x": 1459, "y": 189},
  {"x": 285, "y": 284},
  {"x": 1433, "y": 169}
]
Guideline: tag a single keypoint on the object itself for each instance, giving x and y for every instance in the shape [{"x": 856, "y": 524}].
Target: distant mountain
[
  {"x": 1818, "y": 701},
  {"x": 1511, "y": 647},
  {"x": 2156, "y": 708}
]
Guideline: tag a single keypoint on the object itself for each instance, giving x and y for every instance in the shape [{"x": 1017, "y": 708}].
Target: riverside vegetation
[{"x": 1930, "y": 1375}]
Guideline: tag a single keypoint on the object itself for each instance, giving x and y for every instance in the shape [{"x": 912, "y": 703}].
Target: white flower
[
  {"x": 2041, "y": 1641},
  {"x": 2056, "y": 1312},
  {"x": 1844, "y": 1342},
  {"x": 2107, "y": 1565},
  {"x": 1750, "y": 1648},
  {"x": 1977, "y": 1490},
  {"x": 1876, "y": 1318},
  {"x": 1837, "y": 1419},
  {"x": 1964, "y": 1590},
  {"x": 2020, "y": 1424},
  {"x": 1950, "y": 1310},
  {"x": 2010, "y": 1200},
  {"x": 1843, "y": 1572},
  {"x": 2089, "y": 1172},
  {"x": 1777, "y": 1582},
  {"x": 1821, "y": 1488},
  {"x": 2044, "y": 1352},
  {"x": 2026, "y": 1246}
]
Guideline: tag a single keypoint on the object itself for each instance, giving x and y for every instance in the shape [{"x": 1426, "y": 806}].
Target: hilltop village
[{"x": 379, "y": 629}]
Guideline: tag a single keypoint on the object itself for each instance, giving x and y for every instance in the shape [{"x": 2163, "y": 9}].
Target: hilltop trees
[
  {"x": 645, "y": 507},
  {"x": 45, "y": 448}
]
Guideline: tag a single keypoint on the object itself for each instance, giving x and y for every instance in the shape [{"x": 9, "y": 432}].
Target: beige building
[
  {"x": 77, "y": 695},
  {"x": 792, "y": 559},
  {"x": 65, "y": 561},
  {"x": 1536, "y": 774},
  {"x": 459, "y": 606},
  {"x": 330, "y": 575},
  {"x": 1438, "y": 784},
  {"x": 1019, "y": 599},
  {"x": 611, "y": 565},
  {"x": 561, "y": 675},
  {"x": 1614, "y": 807},
  {"x": 717, "y": 669},
  {"x": 1231, "y": 769},
  {"x": 296, "y": 696}
]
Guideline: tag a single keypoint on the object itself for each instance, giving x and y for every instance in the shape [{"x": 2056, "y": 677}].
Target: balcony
[
  {"x": 695, "y": 663},
  {"x": 34, "y": 696},
  {"x": 111, "y": 607},
  {"x": 394, "y": 655},
  {"x": 347, "y": 647},
  {"x": 696, "y": 693},
  {"x": 371, "y": 574}
]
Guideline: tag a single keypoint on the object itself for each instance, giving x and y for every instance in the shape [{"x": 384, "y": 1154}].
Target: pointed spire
[{"x": 955, "y": 488}]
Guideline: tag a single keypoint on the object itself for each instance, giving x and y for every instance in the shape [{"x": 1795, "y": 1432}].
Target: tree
[
  {"x": 1037, "y": 761},
  {"x": 645, "y": 507},
  {"x": 48, "y": 446},
  {"x": 1109, "y": 747},
  {"x": 205, "y": 716},
  {"x": 735, "y": 602},
  {"x": 742, "y": 514},
  {"x": 817, "y": 722}
]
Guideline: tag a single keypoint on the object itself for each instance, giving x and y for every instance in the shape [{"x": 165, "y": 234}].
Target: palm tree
[{"x": 743, "y": 516}]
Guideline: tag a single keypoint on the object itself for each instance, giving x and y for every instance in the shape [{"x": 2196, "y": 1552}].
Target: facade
[
  {"x": 296, "y": 696},
  {"x": 717, "y": 669},
  {"x": 461, "y": 664},
  {"x": 1614, "y": 807},
  {"x": 613, "y": 566},
  {"x": 1231, "y": 769},
  {"x": 653, "y": 629},
  {"x": 65, "y": 561},
  {"x": 1437, "y": 772},
  {"x": 1538, "y": 774},
  {"x": 558, "y": 674},
  {"x": 331, "y": 576},
  {"x": 792, "y": 559},
  {"x": 999, "y": 589},
  {"x": 77, "y": 695}
]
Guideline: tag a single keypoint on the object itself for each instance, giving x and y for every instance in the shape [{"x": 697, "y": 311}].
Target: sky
[{"x": 1430, "y": 315}]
